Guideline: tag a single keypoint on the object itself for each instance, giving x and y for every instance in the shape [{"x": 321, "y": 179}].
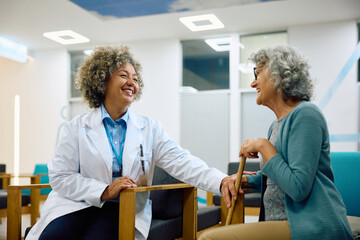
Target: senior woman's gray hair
[
  {"x": 95, "y": 71},
  {"x": 289, "y": 71}
]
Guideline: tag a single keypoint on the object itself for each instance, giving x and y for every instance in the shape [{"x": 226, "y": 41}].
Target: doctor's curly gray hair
[
  {"x": 289, "y": 71},
  {"x": 94, "y": 73}
]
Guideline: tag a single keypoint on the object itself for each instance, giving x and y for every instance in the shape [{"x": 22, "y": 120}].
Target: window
[
  {"x": 76, "y": 59},
  {"x": 203, "y": 67}
]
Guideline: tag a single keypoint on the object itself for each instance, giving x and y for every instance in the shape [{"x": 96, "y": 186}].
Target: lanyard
[{"x": 112, "y": 145}]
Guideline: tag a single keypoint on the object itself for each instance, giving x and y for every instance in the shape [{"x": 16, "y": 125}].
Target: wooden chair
[
  {"x": 30, "y": 202},
  {"x": 14, "y": 207},
  {"x": 177, "y": 221},
  {"x": 127, "y": 209}
]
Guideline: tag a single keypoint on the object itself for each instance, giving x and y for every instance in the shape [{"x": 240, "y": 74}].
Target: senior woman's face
[
  {"x": 264, "y": 86},
  {"x": 122, "y": 86}
]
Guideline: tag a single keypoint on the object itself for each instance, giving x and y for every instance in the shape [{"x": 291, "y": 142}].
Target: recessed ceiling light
[
  {"x": 66, "y": 37},
  {"x": 202, "y": 22},
  {"x": 221, "y": 44}
]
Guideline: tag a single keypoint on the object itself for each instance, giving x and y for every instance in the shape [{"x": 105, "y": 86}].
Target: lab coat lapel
[
  {"x": 96, "y": 132},
  {"x": 134, "y": 137}
]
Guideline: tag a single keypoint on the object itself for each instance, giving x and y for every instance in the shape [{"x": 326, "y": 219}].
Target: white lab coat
[{"x": 81, "y": 167}]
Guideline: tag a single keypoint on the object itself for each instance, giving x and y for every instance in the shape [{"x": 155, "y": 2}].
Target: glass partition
[{"x": 205, "y": 68}]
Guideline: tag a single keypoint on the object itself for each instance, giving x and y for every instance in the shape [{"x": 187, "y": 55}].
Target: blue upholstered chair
[
  {"x": 346, "y": 167},
  {"x": 42, "y": 170}
]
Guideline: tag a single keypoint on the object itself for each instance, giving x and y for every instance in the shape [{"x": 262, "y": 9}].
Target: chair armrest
[
  {"x": 34, "y": 179},
  {"x": 158, "y": 187},
  {"x": 14, "y": 206},
  {"x": 128, "y": 202},
  {"x": 210, "y": 196}
]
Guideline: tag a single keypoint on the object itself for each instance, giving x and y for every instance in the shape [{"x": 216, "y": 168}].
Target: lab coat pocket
[{"x": 141, "y": 168}]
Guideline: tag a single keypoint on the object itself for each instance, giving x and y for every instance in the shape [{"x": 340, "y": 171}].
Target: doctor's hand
[
  {"x": 228, "y": 187},
  {"x": 114, "y": 189}
]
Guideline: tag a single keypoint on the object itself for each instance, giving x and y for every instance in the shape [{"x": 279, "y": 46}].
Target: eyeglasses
[{"x": 255, "y": 74}]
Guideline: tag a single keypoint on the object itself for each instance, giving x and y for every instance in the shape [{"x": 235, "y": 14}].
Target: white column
[
  {"x": 234, "y": 104},
  {"x": 16, "y": 138}
]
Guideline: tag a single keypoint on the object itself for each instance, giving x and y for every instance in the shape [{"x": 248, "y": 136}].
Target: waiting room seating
[
  {"x": 346, "y": 167},
  {"x": 14, "y": 209},
  {"x": 29, "y": 203},
  {"x": 175, "y": 213},
  {"x": 42, "y": 170}
]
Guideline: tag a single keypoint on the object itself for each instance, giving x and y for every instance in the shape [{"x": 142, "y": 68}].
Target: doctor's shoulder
[
  {"x": 79, "y": 121},
  {"x": 148, "y": 122}
]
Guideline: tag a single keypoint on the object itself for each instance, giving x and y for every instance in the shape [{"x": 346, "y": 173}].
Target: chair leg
[
  {"x": 14, "y": 214},
  {"x": 238, "y": 215},
  {"x": 190, "y": 214},
  {"x": 127, "y": 215},
  {"x": 35, "y": 200}
]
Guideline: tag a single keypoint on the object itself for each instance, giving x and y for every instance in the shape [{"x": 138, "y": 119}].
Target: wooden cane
[{"x": 237, "y": 186}]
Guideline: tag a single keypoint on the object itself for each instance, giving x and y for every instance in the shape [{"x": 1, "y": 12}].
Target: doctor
[{"x": 99, "y": 155}]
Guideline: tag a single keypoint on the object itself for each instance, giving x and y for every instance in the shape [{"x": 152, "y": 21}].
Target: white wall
[
  {"x": 328, "y": 46},
  {"x": 43, "y": 86},
  {"x": 162, "y": 70}
]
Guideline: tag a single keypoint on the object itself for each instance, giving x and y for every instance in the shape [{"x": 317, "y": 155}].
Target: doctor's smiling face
[{"x": 121, "y": 88}]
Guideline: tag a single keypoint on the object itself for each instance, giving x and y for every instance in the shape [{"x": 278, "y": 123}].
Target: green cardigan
[{"x": 302, "y": 170}]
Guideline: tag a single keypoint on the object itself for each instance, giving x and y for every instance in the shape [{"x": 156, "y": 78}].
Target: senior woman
[
  {"x": 299, "y": 198},
  {"x": 101, "y": 153}
]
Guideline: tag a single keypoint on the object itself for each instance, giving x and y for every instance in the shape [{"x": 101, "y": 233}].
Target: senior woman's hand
[
  {"x": 114, "y": 189},
  {"x": 228, "y": 187},
  {"x": 252, "y": 146}
]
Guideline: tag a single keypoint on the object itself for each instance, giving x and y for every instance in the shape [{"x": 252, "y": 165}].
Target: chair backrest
[
  {"x": 346, "y": 167},
  {"x": 41, "y": 168},
  {"x": 166, "y": 204}
]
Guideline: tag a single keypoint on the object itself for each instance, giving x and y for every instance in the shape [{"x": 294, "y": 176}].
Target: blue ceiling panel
[{"x": 126, "y": 8}]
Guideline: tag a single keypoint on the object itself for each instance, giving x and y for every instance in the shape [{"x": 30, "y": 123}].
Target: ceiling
[{"x": 24, "y": 21}]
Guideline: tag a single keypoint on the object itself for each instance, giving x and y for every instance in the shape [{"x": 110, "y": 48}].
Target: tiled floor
[{"x": 24, "y": 225}]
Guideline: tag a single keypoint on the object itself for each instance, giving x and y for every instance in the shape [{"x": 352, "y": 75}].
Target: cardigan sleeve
[
  {"x": 254, "y": 181},
  {"x": 301, "y": 141}
]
